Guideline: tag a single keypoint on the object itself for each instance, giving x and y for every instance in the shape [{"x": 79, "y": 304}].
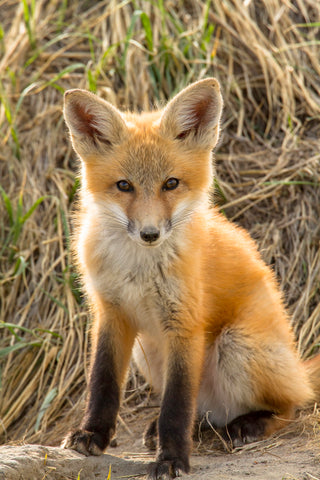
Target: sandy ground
[
  {"x": 33, "y": 462},
  {"x": 289, "y": 456}
]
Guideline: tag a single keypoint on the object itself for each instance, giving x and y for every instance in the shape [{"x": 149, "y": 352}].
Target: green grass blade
[
  {"x": 18, "y": 346},
  {"x": 66, "y": 228},
  {"x": 24, "y": 93},
  {"x": 62, "y": 14},
  {"x": 92, "y": 81},
  {"x": 44, "y": 407},
  {"x": 16, "y": 228},
  {"x": 56, "y": 301},
  {"x": 45, "y": 330},
  {"x": 26, "y": 12},
  {"x": 14, "y": 333},
  {"x": 2, "y": 42},
  {"x": 206, "y": 15},
  {"x": 19, "y": 207},
  {"x": 17, "y": 327},
  {"x": 69, "y": 69},
  {"x": 20, "y": 266},
  {"x": 32, "y": 209},
  {"x": 33, "y": 7},
  {"x": 27, "y": 20},
  {"x": 128, "y": 36},
  {"x": 14, "y": 136},
  {"x": 74, "y": 189},
  {"x": 163, "y": 15},
  {"x": 91, "y": 46},
  {"x": 5, "y": 104},
  {"x": 307, "y": 25},
  {"x": 8, "y": 205},
  {"x": 145, "y": 20}
]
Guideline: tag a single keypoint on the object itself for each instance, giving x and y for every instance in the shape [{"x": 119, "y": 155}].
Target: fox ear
[
  {"x": 94, "y": 124},
  {"x": 193, "y": 115}
]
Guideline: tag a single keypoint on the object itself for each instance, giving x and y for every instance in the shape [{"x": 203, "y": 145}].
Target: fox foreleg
[
  {"x": 178, "y": 404},
  {"x": 112, "y": 345}
]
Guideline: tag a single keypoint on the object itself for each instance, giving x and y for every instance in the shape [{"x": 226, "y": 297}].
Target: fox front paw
[
  {"x": 85, "y": 442},
  {"x": 167, "y": 469}
]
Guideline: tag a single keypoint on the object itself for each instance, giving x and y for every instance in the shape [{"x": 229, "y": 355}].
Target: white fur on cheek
[{"x": 184, "y": 211}]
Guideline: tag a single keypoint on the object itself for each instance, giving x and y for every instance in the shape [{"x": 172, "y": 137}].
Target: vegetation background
[{"x": 137, "y": 54}]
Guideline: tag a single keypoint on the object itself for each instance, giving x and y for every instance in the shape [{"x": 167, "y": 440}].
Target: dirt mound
[{"x": 34, "y": 462}]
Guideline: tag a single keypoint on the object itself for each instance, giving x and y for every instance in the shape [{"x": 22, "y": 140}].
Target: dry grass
[{"x": 265, "y": 54}]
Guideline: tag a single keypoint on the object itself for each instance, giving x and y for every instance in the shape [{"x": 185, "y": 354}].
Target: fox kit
[{"x": 170, "y": 279}]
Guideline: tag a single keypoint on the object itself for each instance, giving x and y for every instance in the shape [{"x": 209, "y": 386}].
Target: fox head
[{"x": 147, "y": 174}]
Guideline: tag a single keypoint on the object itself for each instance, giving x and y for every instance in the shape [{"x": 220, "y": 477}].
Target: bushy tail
[{"x": 313, "y": 368}]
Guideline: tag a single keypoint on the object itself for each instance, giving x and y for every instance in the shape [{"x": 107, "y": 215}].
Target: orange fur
[{"x": 196, "y": 292}]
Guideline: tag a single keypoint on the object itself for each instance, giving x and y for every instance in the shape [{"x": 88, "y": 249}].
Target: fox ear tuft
[
  {"x": 94, "y": 124},
  {"x": 193, "y": 115}
]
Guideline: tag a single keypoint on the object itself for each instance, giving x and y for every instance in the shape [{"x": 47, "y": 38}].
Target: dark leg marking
[
  {"x": 98, "y": 425},
  {"x": 175, "y": 426}
]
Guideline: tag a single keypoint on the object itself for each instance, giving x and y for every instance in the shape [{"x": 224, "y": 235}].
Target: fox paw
[
  {"x": 167, "y": 469},
  {"x": 247, "y": 428},
  {"x": 87, "y": 443}
]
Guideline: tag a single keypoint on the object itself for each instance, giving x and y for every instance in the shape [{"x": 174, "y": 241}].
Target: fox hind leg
[
  {"x": 253, "y": 426},
  {"x": 251, "y": 385},
  {"x": 150, "y": 436}
]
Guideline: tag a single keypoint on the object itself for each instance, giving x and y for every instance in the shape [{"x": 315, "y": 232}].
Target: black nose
[{"x": 150, "y": 234}]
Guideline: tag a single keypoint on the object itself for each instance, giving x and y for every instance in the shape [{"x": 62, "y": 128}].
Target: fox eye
[
  {"x": 170, "y": 184},
  {"x": 124, "y": 186}
]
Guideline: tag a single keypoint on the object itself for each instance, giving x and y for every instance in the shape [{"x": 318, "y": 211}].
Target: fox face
[
  {"x": 143, "y": 195},
  {"x": 144, "y": 176}
]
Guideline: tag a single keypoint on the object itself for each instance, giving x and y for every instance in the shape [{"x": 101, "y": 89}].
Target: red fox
[{"x": 170, "y": 279}]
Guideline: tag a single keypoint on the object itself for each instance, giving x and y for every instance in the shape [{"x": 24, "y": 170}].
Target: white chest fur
[{"x": 133, "y": 277}]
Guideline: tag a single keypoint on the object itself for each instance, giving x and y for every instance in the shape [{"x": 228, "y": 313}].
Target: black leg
[
  {"x": 111, "y": 353},
  {"x": 177, "y": 409},
  {"x": 98, "y": 425}
]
